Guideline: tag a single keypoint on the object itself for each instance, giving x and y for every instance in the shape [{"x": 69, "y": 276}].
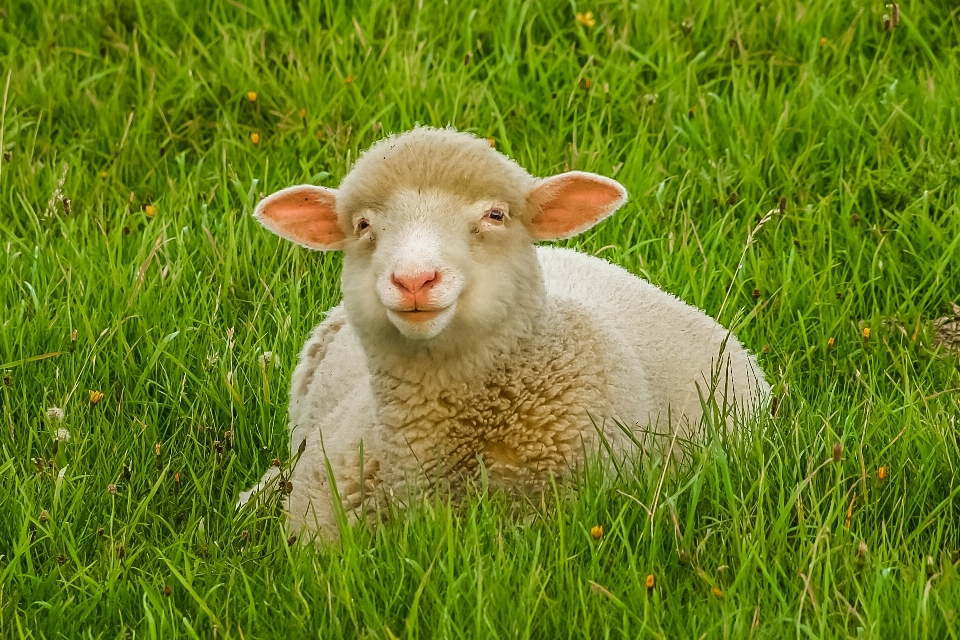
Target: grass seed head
[
  {"x": 303, "y": 114},
  {"x": 167, "y": 590},
  {"x": 112, "y": 489},
  {"x": 837, "y": 452},
  {"x": 891, "y": 19}
]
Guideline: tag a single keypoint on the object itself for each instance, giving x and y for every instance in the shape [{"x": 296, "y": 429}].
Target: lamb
[{"x": 461, "y": 347}]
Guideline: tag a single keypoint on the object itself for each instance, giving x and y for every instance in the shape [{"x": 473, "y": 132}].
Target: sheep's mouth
[
  {"x": 421, "y": 324},
  {"x": 418, "y": 315}
]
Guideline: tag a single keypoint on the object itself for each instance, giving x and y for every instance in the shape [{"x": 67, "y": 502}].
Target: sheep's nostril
[{"x": 416, "y": 282}]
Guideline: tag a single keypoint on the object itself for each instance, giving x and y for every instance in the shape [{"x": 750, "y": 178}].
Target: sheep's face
[
  {"x": 438, "y": 231},
  {"x": 425, "y": 260}
]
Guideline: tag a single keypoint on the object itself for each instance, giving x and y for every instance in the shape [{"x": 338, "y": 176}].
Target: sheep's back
[{"x": 675, "y": 346}]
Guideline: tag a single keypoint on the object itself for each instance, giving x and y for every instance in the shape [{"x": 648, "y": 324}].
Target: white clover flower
[
  {"x": 55, "y": 414},
  {"x": 63, "y": 435},
  {"x": 266, "y": 358}
]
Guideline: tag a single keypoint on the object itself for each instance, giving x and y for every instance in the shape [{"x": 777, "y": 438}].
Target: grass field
[{"x": 130, "y": 266}]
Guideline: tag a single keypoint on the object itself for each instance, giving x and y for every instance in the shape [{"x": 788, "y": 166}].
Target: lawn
[{"x": 793, "y": 170}]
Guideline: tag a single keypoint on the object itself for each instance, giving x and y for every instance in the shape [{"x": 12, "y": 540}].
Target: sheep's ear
[
  {"x": 304, "y": 214},
  {"x": 570, "y": 203}
]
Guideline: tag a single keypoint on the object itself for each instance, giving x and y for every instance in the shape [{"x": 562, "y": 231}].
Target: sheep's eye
[
  {"x": 495, "y": 214},
  {"x": 362, "y": 225}
]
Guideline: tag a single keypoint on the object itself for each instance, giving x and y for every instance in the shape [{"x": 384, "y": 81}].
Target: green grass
[{"x": 116, "y": 105}]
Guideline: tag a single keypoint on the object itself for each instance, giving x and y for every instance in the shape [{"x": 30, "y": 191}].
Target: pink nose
[{"x": 417, "y": 282}]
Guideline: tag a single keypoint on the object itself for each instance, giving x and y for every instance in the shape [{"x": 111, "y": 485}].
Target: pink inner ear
[
  {"x": 570, "y": 203},
  {"x": 304, "y": 214}
]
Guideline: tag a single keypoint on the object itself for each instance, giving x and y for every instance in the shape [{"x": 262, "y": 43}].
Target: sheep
[{"x": 463, "y": 348}]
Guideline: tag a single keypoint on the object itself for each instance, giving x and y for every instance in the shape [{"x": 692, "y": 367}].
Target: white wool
[{"x": 531, "y": 352}]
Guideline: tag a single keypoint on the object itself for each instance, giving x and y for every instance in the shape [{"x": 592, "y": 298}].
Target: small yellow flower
[
  {"x": 255, "y": 138},
  {"x": 651, "y": 580},
  {"x": 319, "y": 133},
  {"x": 596, "y": 531},
  {"x": 156, "y": 448},
  {"x": 252, "y": 96},
  {"x": 882, "y": 473},
  {"x": 349, "y": 79},
  {"x": 493, "y": 143},
  {"x": 104, "y": 174},
  {"x": 830, "y": 343},
  {"x": 303, "y": 113},
  {"x": 866, "y": 333},
  {"x": 717, "y": 593},
  {"x": 150, "y": 210},
  {"x": 823, "y": 42},
  {"x": 586, "y": 19},
  {"x": 95, "y": 396}
]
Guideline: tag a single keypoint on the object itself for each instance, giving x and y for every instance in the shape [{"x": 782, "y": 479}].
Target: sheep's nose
[{"x": 416, "y": 282}]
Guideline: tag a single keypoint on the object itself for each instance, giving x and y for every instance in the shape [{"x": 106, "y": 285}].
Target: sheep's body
[{"x": 606, "y": 346}]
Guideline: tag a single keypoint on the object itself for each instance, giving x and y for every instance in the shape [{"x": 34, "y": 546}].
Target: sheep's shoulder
[{"x": 331, "y": 365}]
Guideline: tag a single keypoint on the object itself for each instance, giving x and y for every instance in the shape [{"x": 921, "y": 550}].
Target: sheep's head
[{"x": 438, "y": 231}]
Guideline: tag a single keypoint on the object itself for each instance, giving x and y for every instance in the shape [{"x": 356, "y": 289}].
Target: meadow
[{"x": 793, "y": 170}]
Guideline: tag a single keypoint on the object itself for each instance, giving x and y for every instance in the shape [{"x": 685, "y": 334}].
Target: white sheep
[{"x": 460, "y": 343}]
